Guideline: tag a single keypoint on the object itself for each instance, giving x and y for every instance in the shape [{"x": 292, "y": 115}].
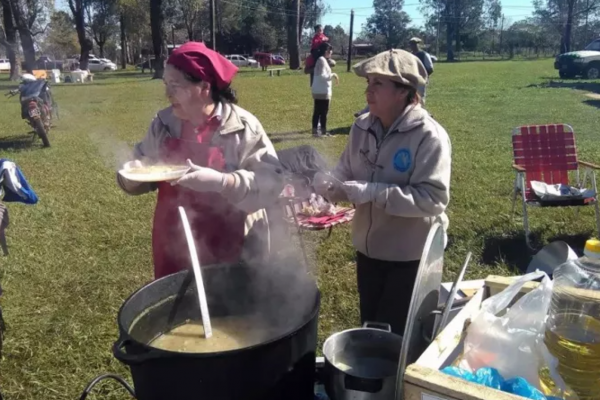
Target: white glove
[
  {"x": 323, "y": 184},
  {"x": 132, "y": 164},
  {"x": 203, "y": 179},
  {"x": 360, "y": 192}
]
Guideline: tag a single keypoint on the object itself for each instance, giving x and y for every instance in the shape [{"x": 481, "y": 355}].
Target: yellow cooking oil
[{"x": 575, "y": 342}]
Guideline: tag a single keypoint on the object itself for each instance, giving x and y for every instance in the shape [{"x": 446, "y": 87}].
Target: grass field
[{"x": 85, "y": 247}]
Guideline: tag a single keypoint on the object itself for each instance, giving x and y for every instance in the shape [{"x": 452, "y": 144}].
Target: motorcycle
[{"x": 37, "y": 106}]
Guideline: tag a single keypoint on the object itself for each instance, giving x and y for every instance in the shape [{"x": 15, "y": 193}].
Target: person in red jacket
[
  {"x": 314, "y": 48},
  {"x": 318, "y": 38}
]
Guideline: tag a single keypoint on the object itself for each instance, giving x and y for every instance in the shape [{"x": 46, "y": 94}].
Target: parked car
[
  {"x": 97, "y": 65},
  {"x": 585, "y": 63},
  {"x": 4, "y": 64},
  {"x": 241, "y": 61}
]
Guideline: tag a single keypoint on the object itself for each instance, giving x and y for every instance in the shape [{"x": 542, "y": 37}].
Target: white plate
[{"x": 155, "y": 176}]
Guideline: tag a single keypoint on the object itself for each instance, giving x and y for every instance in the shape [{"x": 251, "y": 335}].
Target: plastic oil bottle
[{"x": 573, "y": 326}]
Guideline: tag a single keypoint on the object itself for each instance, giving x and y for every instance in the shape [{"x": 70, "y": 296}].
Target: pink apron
[{"x": 217, "y": 226}]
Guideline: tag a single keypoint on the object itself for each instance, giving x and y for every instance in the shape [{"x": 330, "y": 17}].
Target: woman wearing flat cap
[
  {"x": 396, "y": 170},
  {"x": 234, "y": 172}
]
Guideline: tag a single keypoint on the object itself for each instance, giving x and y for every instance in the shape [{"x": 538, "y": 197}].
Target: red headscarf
[{"x": 200, "y": 62}]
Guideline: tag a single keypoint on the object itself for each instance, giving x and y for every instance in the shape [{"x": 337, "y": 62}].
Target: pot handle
[
  {"x": 378, "y": 325},
  {"x": 132, "y": 359},
  {"x": 362, "y": 384}
]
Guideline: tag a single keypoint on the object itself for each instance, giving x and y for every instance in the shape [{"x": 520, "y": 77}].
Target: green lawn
[{"x": 85, "y": 247}]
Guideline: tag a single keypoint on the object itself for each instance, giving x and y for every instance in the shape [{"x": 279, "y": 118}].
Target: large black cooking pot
[{"x": 281, "y": 367}]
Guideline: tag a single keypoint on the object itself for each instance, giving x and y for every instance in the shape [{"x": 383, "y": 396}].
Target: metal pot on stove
[
  {"x": 362, "y": 363},
  {"x": 280, "y": 366}
]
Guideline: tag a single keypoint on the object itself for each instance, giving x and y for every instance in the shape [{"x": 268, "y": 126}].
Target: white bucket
[{"x": 551, "y": 256}]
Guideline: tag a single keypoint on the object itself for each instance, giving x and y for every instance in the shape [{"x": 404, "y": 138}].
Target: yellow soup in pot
[{"x": 229, "y": 333}]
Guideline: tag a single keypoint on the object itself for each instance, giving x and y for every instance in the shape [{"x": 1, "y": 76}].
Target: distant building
[{"x": 362, "y": 49}]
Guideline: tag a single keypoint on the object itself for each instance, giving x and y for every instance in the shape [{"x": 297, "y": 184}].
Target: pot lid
[{"x": 425, "y": 299}]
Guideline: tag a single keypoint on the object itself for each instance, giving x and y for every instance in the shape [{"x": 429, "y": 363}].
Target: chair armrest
[
  {"x": 589, "y": 165},
  {"x": 518, "y": 168}
]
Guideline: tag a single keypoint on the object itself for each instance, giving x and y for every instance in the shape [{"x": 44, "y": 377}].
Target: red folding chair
[{"x": 547, "y": 153}]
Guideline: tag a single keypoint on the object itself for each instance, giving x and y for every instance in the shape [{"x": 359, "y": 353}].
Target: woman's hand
[
  {"x": 360, "y": 192},
  {"x": 203, "y": 179},
  {"x": 323, "y": 184},
  {"x": 337, "y": 78}
]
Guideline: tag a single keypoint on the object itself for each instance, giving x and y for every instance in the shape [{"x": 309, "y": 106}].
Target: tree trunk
[
  {"x": 566, "y": 40},
  {"x": 123, "y": 42},
  {"x": 24, "y": 34},
  {"x": 457, "y": 16},
  {"x": 292, "y": 33},
  {"x": 101, "y": 49},
  {"x": 158, "y": 35},
  {"x": 28, "y": 49},
  {"x": 10, "y": 41},
  {"x": 85, "y": 43},
  {"x": 449, "y": 35}
]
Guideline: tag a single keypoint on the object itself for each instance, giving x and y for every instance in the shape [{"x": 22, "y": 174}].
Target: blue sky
[{"x": 514, "y": 10}]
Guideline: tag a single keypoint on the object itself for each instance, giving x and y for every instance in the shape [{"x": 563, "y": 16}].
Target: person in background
[
  {"x": 234, "y": 174},
  {"x": 311, "y": 61},
  {"x": 318, "y": 38},
  {"x": 395, "y": 169},
  {"x": 425, "y": 58},
  {"x": 322, "y": 90}
]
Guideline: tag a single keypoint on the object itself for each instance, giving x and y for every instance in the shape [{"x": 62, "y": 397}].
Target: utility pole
[
  {"x": 437, "y": 39},
  {"x": 213, "y": 36},
  {"x": 350, "y": 40},
  {"x": 173, "y": 36}
]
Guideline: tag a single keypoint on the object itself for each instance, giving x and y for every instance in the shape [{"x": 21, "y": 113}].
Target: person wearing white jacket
[{"x": 322, "y": 89}]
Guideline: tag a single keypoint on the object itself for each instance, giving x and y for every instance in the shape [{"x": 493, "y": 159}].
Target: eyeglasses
[{"x": 371, "y": 164}]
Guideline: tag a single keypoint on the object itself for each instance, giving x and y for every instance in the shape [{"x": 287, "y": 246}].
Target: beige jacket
[
  {"x": 249, "y": 156},
  {"x": 411, "y": 165}
]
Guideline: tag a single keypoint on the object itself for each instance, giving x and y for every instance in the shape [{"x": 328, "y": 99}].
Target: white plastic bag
[{"x": 510, "y": 342}]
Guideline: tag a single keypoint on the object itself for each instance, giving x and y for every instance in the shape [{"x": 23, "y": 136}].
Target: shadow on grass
[
  {"x": 593, "y": 87},
  {"x": 593, "y": 103},
  {"x": 509, "y": 249},
  {"x": 18, "y": 142}
]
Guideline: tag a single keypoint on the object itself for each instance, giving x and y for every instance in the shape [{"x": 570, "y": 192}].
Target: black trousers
[
  {"x": 385, "y": 289},
  {"x": 320, "y": 112}
]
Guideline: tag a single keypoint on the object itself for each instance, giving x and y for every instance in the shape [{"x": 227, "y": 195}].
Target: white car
[
  {"x": 241, "y": 61},
  {"x": 97, "y": 65},
  {"x": 4, "y": 64}
]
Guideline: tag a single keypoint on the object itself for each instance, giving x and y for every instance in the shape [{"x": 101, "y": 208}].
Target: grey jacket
[
  {"x": 249, "y": 156},
  {"x": 411, "y": 166}
]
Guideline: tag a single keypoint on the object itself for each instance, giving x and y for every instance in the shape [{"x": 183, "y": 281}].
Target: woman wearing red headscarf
[{"x": 234, "y": 177}]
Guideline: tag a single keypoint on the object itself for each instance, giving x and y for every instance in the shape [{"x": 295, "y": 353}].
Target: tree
[
  {"x": 30, "y": 17},
  {"x": 157, "y": 25},
  {"x": 78, "y": 8},
  {"x": 188, "y": 13},
  {"x": 61, "y": 38},
  {"x": 102, "y": 21},
  {"x": 337, "y": 38},
  {"x": 294, "y": 33},
  {"x": 462, "y": 19},
  {"x": 390, "y": 22},
  {"x": 8, "y": 39},
  {"x": 564, "y": 15}
]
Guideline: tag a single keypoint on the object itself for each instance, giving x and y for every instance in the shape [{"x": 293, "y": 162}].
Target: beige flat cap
[{"x": 397, "y": 65}]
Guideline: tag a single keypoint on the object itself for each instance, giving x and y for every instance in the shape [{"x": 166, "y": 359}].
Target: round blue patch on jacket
[{"x": 402, "y": 160}]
